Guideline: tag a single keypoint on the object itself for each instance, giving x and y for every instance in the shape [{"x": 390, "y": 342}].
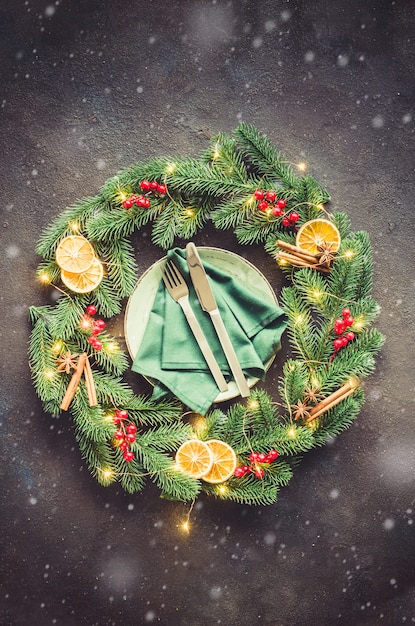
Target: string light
[
  {"x": 299, "y": 319},
  {"x": 349, "y": 254},
  {"x": 44, "y": 278},
  {"x": 222, "y": 490},
  {"x": 170, "y": 168},
  {"x": 57, "y": 347},
  {"x": 189, "y": 212},
  {"x": 253, "y": 404},
  {"x": 186, "y": 526},
  {"x": 292, "y": 432},
  {"x": 112, "y": 347},
  {"x": 123, "y": 196},
  {"x": 74, "y": 226},
  {"x": 302, "y": 166},
  {"x": 216, "y": 153},
  {"x": 49, "y": 374}
]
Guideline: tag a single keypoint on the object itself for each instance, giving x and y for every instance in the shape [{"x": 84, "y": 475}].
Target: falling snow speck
[
  {"x": 388, "y": 523},
  {"x": 257, "y": 42},
  {"x": 378, "y": 121},
  {"x": 309, "y": 56},
  {"x": 100, "y": 164},
  {"x": 150, "y": 616},
  {"x": 407, "y": 118},
  {"x": 215, "y": 593},
  {"x": 342, "y": 60},
  {"x": 50, "y": 10},
  {"x": 33, "y": 500},
  {"x": 270, "y": 539},
  {"x": 12, "y": 252},
  {"x": 140, "y": 89},
  {"x": 130, "y": 507},
  {"x": 334, "y": 494},
  {"x": 285, "y": 15}
]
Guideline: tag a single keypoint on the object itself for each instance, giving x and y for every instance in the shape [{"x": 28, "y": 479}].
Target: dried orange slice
[
  {"x": 315, "y": 235},
  {"x": 224, "y": 462},
  {"x": 75, "y": 254},
  {"x": 194, "y": 457},
  {"x": 84, "y": 282}
]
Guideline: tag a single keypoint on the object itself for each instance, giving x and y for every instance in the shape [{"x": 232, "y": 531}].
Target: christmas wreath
[{"x": 244, "y": 453}]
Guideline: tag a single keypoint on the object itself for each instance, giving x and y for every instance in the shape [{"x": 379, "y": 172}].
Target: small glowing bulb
[
  {"x": 107, "y": 474},
  {"x": 186, "y": 526},
  {"x": 123, "y": 196},
  {"x": 358, "y": 325},
  {"x": 349, "y": 254},
  {"x": 216, "y": 154},
  {"x": 317, "y": 294},
  {"x": 302, "y": 166},
  {"x": 44, "y": 278},
  {"x": 109, "y": 417},
  {"x": 170, "y": 168},
  {"x": 253, "y": 404},
  {"x": 353, "y": 382},
  {"x": 49, "y": 374},
  {"x": 299, "y": 319},
  {"x": 112, "y": 347},
  {"x": 86, "y": 322},
  {"x": 74, "y": 226},
  {"x": 292, "y": 432},
  {"x": 57, "y": 347},
  {"x": 189, "y": 212},
  {"x": 282, "y": 262},
  {"x": 222, "y": 489}
]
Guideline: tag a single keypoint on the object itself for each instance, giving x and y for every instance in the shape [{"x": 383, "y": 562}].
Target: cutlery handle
[
  {"x": 203, "y": 343},
  {"x": 229, "y": 353}
]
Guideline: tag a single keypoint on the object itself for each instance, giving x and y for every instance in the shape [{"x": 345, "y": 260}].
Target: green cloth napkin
[{"x": 170, "y": 354}]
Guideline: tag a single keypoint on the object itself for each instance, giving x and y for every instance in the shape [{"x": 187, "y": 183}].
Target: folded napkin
[{"x": 170, "y": 354}]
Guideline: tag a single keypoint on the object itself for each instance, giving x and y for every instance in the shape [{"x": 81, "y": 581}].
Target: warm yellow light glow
[
  {"x": 216, "y": 153},
  {"x": 86, "y": 322},
  {"x": 253, "y": 404},
  {"x": 57, "y": 347},
  {"x": 302, "y": 166},
  {"x": 349, "y": 254},
  {"x": 317, "y": 294},
  {"x": 44, "y": 278},
  {"x": 222, "y": 489},
  {"x": 186, "y": 526},
  {"x": 49, "y": 374},
  {"x": 74, "y": 226},
  {"x": 358, "y": 325},
  {"x": 282, "y": 262},
  {"x": 108, "y": 474},
  {"x": 353, "y": 382},
  {"x": 123, "y": 196},
  {"x": 189, "y": 212},
  {"x": 112, "y": 347},
  {"x": 292, "y": 432},
  {"x": 299, "y": 319},
  {"x": 109, "y": 417},
  {"x": 170, "y": 168}
]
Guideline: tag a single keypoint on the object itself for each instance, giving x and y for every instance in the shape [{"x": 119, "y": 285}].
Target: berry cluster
[
  {"x": 267, "y": 201},
  {"x": 257, "y": 459},
  {"x": 147, "y": 187},
  {"x": 125, "y": 435},
  {"x": 95, "y": 327},
  {"x": 341, "y": 325}
]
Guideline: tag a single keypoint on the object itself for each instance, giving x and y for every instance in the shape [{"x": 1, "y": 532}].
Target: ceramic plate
[{"x": 141, "y": 301}]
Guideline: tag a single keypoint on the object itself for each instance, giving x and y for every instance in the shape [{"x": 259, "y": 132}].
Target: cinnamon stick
[
  {"x": 294, "y": 260},
  {"x": 74, "y": 382},
  {"x": 296, "y": 251},
  {"x": 332, "y": 400},
  {"x": 90, "y": 385}
]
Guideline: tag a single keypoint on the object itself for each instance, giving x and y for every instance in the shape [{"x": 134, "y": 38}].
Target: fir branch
[{"x": 247, "y": 490}]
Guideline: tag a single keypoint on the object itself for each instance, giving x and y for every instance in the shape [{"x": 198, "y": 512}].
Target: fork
[{"x": 179, "y": 291}]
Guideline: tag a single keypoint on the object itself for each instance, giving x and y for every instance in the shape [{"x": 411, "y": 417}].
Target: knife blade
[{"x": 208, "y": 302}]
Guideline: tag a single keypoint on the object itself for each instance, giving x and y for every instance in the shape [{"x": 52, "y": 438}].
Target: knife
[{"x": 208, "y": 303}]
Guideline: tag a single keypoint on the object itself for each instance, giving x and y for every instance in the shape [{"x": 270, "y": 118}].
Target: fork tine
[{"x": 175, "y": 277}]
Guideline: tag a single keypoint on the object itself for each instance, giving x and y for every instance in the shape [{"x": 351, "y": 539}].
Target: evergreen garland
[{"x": 219, "y": 186}]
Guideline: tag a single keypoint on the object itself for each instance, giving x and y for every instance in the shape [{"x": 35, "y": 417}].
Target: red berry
[
  {"x": 349, "y": 321},
  {"x": 350, "y": 336},
  {"x": 270, "y": 196},
  {"x": 259, "y": 472},
  {"x": 293, "y": 217},
  {"x": 286, "y": 222},
  {"x": 97, "y": 345},
  {"x": 338, "y": 343},
  {"x": 100, "y": 324},
  {"x": 346, "y": 312},
  {"x": 128, "y": 456},
  {"x": 259, "y": 194},
  {"x": 147, "y": 203},
  {"x": 344, "y": 341},
  {"x": 161, "y": 189},
  {"x": 127, "y": 204},
  {"x": 92, "y": 340},
  {"x": 145, "y": 185},
  {"x": 133, "y": 199},
  {"x": 239, "y": 472},
  {"x": 263, "y": 205},
  {"x": 277, "y": 211},
  {"x": 123, "y": 446},
  {"x": 281, "y": 204},
  {"x": 141, "y": 201},
  {"x": 130, "y": 437},
  {"x": 121, "y": 414},
  {"x": 272, "y": 455},
  {"x": 261, "y": 457},
  {"x": 339, "y": 326},
  {"x": 131, "y": 428},
  {"x": 119, "y": 435},
  {"x": 253, "y": 457},
  {"x": 153, "y": 185},
  {"x": 91, "y": 309}
]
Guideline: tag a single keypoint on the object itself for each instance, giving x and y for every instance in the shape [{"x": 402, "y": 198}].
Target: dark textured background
[{"x": 88, "y": 87}]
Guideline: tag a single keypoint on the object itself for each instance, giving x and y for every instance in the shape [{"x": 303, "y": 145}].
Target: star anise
[
  {"x": 67, "y": 361},
  {"x": 327, "y": 253},
  {"x": 311, "y": 396},
  {"x": 300, "y": 410}
]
